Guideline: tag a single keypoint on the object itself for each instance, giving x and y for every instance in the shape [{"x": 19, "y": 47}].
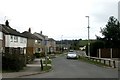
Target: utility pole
[{"x": 88, "y": 37}]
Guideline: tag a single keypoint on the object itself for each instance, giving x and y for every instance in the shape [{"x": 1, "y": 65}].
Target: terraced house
[
  {"x": 33, "y": 45},
  {"x": 13, "y": 41},
  {"x": 42, "y": 37},
  {"x": 49, "y": 43}
]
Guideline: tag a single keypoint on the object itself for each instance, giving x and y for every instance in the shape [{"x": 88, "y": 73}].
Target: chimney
[
  {"x": 7, "y": 23},
  {"x": 29, "y": 30},
  {"x": 40, "y": 32}
]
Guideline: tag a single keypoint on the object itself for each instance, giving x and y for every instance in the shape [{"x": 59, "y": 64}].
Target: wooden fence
[{"x": 108, "y": 53}]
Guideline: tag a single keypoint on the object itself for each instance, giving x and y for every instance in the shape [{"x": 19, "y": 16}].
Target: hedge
[{"x": 13, "y": 62}]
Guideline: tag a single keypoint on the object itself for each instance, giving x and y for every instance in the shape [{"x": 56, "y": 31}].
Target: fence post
[
  {"x": 111, "y": 52},
  {"x": 41, "y": 64},
  {"x": 100, "y": 60},
  {"x": 109, "y": 63},
  {"x": 99, "y": 53},
  {"x": 114, "y": 64},
  {"x": 104, "y": 62}
]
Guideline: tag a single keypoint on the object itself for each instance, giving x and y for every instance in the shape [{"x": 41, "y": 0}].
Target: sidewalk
[{"x": 30, "y": 69}]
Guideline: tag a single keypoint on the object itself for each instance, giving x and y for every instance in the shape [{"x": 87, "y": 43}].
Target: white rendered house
[{"x": 14, "y": 41}]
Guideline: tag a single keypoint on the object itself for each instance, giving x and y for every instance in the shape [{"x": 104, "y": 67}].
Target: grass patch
[
  {"x": 46, "y": 68},
  {"x": 48, "y": 62},
  {"x": 92, "y": 62}
]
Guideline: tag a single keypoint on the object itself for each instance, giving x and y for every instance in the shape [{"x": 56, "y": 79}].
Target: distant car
[{"x": 72, "y": 55}]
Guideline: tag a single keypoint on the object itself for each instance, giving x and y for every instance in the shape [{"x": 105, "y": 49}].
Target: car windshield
[{"x": 71, "y": 53}]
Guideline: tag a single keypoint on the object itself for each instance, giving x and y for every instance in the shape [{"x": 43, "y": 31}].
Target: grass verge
[
  {"x": 93, "y": 62},
  {"x": 48, "y": 62},
  {"x": 47, "y": 68}
]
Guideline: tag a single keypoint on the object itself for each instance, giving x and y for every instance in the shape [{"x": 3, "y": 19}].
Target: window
[
  {"x": 15, "y": 39},
  {"x": 1, "y": 35},
  {"x": 36, "y": 41},
  {"x": 11, "y": 38},
  {"x": 21, "y": 40},
  {"x": 25, "y": 41}
]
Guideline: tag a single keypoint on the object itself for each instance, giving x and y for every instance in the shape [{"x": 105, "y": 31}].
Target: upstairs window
[
  {"x": 11, "y": 38},
  {"x": 21, "y": 40},
  {"x": 15, "y": 39},
  {"x": 1, "y": 35},
  {"x": 36, "y": 41}
]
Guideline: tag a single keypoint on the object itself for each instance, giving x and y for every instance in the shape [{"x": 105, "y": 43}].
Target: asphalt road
[{"x": 68, "y": 68}]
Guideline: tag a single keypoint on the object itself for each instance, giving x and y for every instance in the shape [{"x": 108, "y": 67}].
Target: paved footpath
[{"x": 30, "y": 69}]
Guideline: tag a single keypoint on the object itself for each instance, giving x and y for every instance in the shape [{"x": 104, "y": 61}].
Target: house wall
[
  {"x": 1, "y": 46},
  {"x": 42, "y": 42},
  {"x": 30, "y": 43},
  {"x": 1, "y": 41},
  {"x": 52, "y": 46},
  {"x": 12, "y": 46},
  {"x": 22, "y": 42},
  {"x": 32, "y": 46},
  {"x": 38, "y": 46}
]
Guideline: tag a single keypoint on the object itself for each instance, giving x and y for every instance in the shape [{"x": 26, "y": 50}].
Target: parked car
[{"x": 72, "y": 55}]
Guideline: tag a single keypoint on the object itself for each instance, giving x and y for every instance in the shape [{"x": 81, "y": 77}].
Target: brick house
[
  {"x": 42, "y": 37},
  {"x": 49, "y": 43},
  {"x": 33, "y": 44}
]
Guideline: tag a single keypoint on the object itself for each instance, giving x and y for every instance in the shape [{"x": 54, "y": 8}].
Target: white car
[{"x": 72, "y": 55}]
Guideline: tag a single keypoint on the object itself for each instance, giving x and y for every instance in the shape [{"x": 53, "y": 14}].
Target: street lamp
[
  {"x": 88, "y": 37},
  {"x": 111, "y": 51}
]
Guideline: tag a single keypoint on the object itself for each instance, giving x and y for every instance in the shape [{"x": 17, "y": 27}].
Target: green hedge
[{"x": 13, "y": 62}]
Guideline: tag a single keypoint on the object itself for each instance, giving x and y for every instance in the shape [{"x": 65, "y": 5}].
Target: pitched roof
[
  {"x": 10, "y": 31},
  {"x": 51, "y": 39},
  {"x": 40, "y": 34},
  {"x": 30, "y": 35}
]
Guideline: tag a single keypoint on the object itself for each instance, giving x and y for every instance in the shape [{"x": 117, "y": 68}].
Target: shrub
[
  {"x": 37, "y": 55},
  {"x": 13, "y": 62}
]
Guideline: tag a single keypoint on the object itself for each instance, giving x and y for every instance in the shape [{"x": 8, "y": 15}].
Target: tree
[{"x": 111, "y": 33}]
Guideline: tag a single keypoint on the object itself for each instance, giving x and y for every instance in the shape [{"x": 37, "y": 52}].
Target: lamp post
[
  {"x": 88, "y": 37},
  {"x": 111, "y": 51}
]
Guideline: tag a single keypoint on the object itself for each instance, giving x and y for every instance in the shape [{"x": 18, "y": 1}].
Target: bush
[
  {"x": 39, "y": 55},
  {"x": 42, "y": 54},
  {"x": 30, "y": 58},
  {"x": 13, "y": 62}
]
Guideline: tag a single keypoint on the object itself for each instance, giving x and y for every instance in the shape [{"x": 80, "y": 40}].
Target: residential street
[{"x": 67, "y": 68}]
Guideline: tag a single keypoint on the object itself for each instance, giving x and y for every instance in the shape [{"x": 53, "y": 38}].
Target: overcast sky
[{"x": 58, "y": 17}]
